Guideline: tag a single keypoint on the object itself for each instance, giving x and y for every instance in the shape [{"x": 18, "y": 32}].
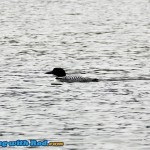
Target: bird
[{"x": 61, "y": 76}]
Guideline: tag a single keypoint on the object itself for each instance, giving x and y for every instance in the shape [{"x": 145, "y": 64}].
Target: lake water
[{"x": 107, "y": 39}]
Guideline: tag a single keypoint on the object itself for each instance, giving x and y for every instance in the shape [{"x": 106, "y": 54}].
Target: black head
[{"x": 59, "y": 72}]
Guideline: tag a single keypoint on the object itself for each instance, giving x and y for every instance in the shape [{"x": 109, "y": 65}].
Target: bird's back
[{"x": 76, "y": 79}]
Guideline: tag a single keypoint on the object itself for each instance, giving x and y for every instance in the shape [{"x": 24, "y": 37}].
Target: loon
[{"x": 62, "y": 77}]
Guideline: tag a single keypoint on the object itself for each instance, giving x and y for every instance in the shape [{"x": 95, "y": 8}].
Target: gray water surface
[{"x": 107, "y": 39}]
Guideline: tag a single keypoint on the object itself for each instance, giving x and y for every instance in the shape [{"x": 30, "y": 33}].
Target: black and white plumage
[{"x": 61, "y": 76}]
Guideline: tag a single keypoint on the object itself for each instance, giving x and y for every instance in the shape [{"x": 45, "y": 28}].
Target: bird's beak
[{"x": 49, "y": 72}]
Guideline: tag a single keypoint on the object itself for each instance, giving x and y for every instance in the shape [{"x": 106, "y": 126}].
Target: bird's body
[
  {"x": 62, "y": 77},
  {"x": 76, "y": 79}
]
